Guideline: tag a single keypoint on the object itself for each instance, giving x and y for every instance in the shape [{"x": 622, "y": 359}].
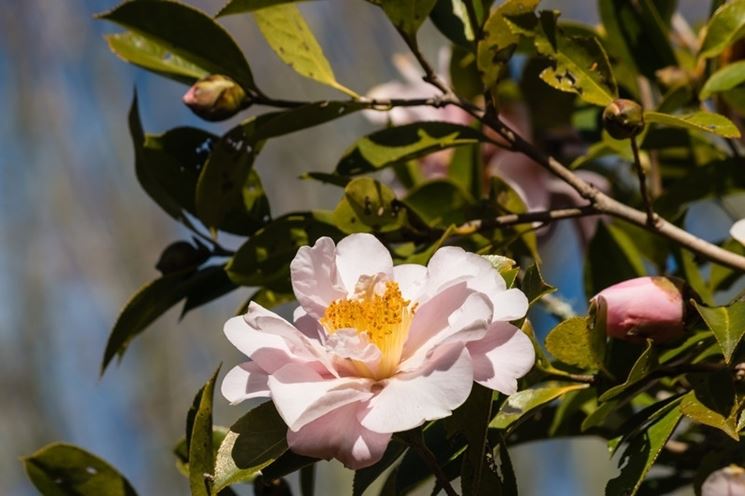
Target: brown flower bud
[
  {"x": 216, "y": 98},
  {"x": 623, "y": 118}
]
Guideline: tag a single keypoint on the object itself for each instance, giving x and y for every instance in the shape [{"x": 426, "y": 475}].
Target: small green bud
[
  {"x": 216, "y": 98},
  {"x": 623, "y": 118}
]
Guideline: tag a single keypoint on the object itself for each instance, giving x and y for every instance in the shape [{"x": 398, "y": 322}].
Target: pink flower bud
[
  {"x": 216, "y": 98},
  {"x": 641, "y": 308},
  {"x": 727, "y": 481}
]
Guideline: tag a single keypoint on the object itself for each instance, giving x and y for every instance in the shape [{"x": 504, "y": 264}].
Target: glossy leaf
[
  {"x": 724, "y": 79},
  {"x": 407, "y": 15},
  {"x": 534, "y": 286},
  {"x": 523, "y": 402},
  {"x": 498, "y": 42},
  {"x": 200, "y": 449},
  {"x": 212, "y": 286},
  {"x": 698, "y": 121},
  {"x": 440, "y": 203},
  {"x": 241, "y": 6},
  {"x": 727, "y": 324},
  {"x": 62, "y": 469},
  {"x": 451, "y": 18},
  {"x": 286, "y": 31},
  {"x": 182, "y": 451},
  {"x": 229, "y": 194},
  {"x": 400, "y": 144},
  {"x": 641, "y": 453},
  {"x": 187, "y": 33},
  {"x": 141, "y": 51},
  {"x": 694, "y": 409},
  {"x": 582, "y": 67},
  {"x": 724, "y": 28},
  {"x": 576, "y": 342},
  {"x": 645, "y": 364},
  {"x": 368, "y": 206},
  {"x": 254, "y": 441}
]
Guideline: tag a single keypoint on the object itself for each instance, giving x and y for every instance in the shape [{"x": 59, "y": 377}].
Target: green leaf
[
  {"x": 264, "y": 259},
  {"x": 211, "y": 287},
  {"x": 407, "y": 15},
  {"x": 187, "y": 33},
  {"x": 254, "y": 441},
  {"x": 363, "y": 478},
  {"x": 724, "y": 79},
  {"x": 451, "y": 18},
  {"x": 199, "y": 442},
  {"x": 149, "y": 303},
  {"x": 534, "y": 286},
  {"x": 141, "y": 51},
  {"x": 725, "y": 27},
  {"x": 576, "y": 342},
  {"x": 181, "y": 450},
  {"x": 582, "y": 67},
  {"x": 286, "y": 31},
  {"x": 727, "y": 323},
  {"x": 62, "y": 470},
  {"x": 641, "y": 453},
  {"x": 241, "y": 6},
  {"x": 368, "y": 206},
  {"x": 498, "y": 42},
  {"x": 637, "y": 35},
  {"x": 523, "y": 402},
  {"x": 612, "y": 257},
  {"x": 694, "y": 409},
  {"x": 167, "y": 166},
  {"x": 698, "y": 121},
  {"x": 645, "y": 364},
  {"x": 440, "y": 203},
  {"x": 229, "y": 194},
  {"x": 307, "y": 480},
  {"x": 400, "y": 144}
]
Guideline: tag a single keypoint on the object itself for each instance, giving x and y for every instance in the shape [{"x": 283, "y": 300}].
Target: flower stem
[{"x": 651, "y": 217}]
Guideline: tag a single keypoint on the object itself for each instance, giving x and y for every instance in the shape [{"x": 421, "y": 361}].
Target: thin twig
[
  {"x": 430, "y": 75},
  {"x": 544, "y": 216},
  {"x": 651, "y": 217}
]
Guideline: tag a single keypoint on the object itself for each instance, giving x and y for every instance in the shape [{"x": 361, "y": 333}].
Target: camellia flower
[
  {"x": 727, "y": 481},
  {"x": 216, "y": 98},
  {"x": 377, "y": 349},
  {"x": 641, "y": 308}
]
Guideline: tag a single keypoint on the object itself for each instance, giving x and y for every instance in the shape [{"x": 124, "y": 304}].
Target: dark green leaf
[
  {"x": 286, "y": 464},
  {"x": 534, "y": 286},
  {"x": 727, "y": 323},
  {"x": 307, "y": 480},
  {"x": 694, "y": 409},
  {"x": 451, "y": 18},
  {"x": 368, "y": 206},
  {"x": 645, "y": 364},
  {"x": 187, "y": 33},
  {"x": 725, "y": 27},
  {"x": 254, "y": 441},
  {"x": 440, "y": 203},
  {"x": 141, "y": 51},
  {"x": 407, "y": 15},
  {"x": 641, "y": 453},
  {"x": 612, "y": 257},
  {"x": 576, "y": 342},
  {"x": 582, "y": 67},
  {"x": 698, "y": 121},
  {"x": 286, "y": 31},
  {"x": 229, "y": 194},
  {"x": 400, "y": 144},
  {"x": 241, "y": 6},
  {"x": 212, "y": 286},
  {"x": 201, "y": 452},
  {"x": 182, "y": 451},
  {"x": 724, "y": 79},
  {"x": 366, "y": 476},
  {"x": 523, "y": 402},
  {"x": 63, "y": 470}
]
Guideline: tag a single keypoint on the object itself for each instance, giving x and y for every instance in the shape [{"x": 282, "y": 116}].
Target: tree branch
[{"x": 544, "y": 216}]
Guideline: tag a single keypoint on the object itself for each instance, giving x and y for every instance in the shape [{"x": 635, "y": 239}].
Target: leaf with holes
[{"x": 369, "y": 206}]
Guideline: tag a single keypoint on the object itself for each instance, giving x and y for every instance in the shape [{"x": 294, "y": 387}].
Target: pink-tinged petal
[
  {"x": 727, "y": 481},
  {"x": 451, "y": 265},
  {"x": 315, "y": 280},
  {"x": 301, "y": 395},
  {"x": 244, "y": 382},
  {"x": 309, "y": 326},
  {"x": 501, "y": 357},
  {"x": 339, "y": 434},
  {"x": 467, "y": 322},
  {"x": 510, "y": 305},
  {"x": 408, "y": 400},
  {"x": 361, "y": 255},
  {"x": 348, "y": 343},
  {"x": 411, "y": 279}
]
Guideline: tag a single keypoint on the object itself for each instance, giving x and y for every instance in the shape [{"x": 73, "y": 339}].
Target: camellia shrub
[{"x": 410, "y": 355}]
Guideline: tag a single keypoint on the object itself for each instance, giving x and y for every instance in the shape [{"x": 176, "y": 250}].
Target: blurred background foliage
[{"x": 77, "y": 237}]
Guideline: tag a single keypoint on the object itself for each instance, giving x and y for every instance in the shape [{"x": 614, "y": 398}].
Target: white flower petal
[
  {"x": 737, "y": 231},
  {"x": 244, "y": 382},
  {"x": 408, "y": 400},
  {"x": 361, "y": 254},
  {"x": 411, "y": 279},
  {"x": 315, "y": 280},
  {"x": 501, "y": 357},
  {"x": 511, "y": 304},
  {"x": 451, "y": 264}
]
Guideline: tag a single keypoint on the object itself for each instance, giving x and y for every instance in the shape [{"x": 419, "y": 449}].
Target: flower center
[{"x": 382, "y": 313}]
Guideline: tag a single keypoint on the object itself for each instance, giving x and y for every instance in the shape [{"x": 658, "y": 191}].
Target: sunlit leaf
[
  {"x": 698, "y": 121},
  {"x": 523, "y": 402},
  {"x": 63, "y": 470},
  {"x": 727, "y": 323},
  {"x": 368, "y": 206},
  {"x": 694, "y": 409},
  {"x": 407, "y": 15},
  {"x": 241, "y": 6},
  {"x": 724, "y": 79},
  {"x": 724, "y": 28},
  {"x": 199, "y": 442},
  {"x": 576, "y": 342},
  {"x": 645, "y": 364},
  {"x": 286, "y": 31},
  {"x": 187, "y": 33}
]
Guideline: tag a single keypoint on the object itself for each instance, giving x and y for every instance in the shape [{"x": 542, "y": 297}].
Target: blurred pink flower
[
  {"x": 641, "y": 308},
  {"x": 538, "y": 188},
  {"x": 727, "y": 481},
  {"x": 377, "y": 349}
]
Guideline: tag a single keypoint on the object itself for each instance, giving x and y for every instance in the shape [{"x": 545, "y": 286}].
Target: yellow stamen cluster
[{"x": 385, "y": 318}]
